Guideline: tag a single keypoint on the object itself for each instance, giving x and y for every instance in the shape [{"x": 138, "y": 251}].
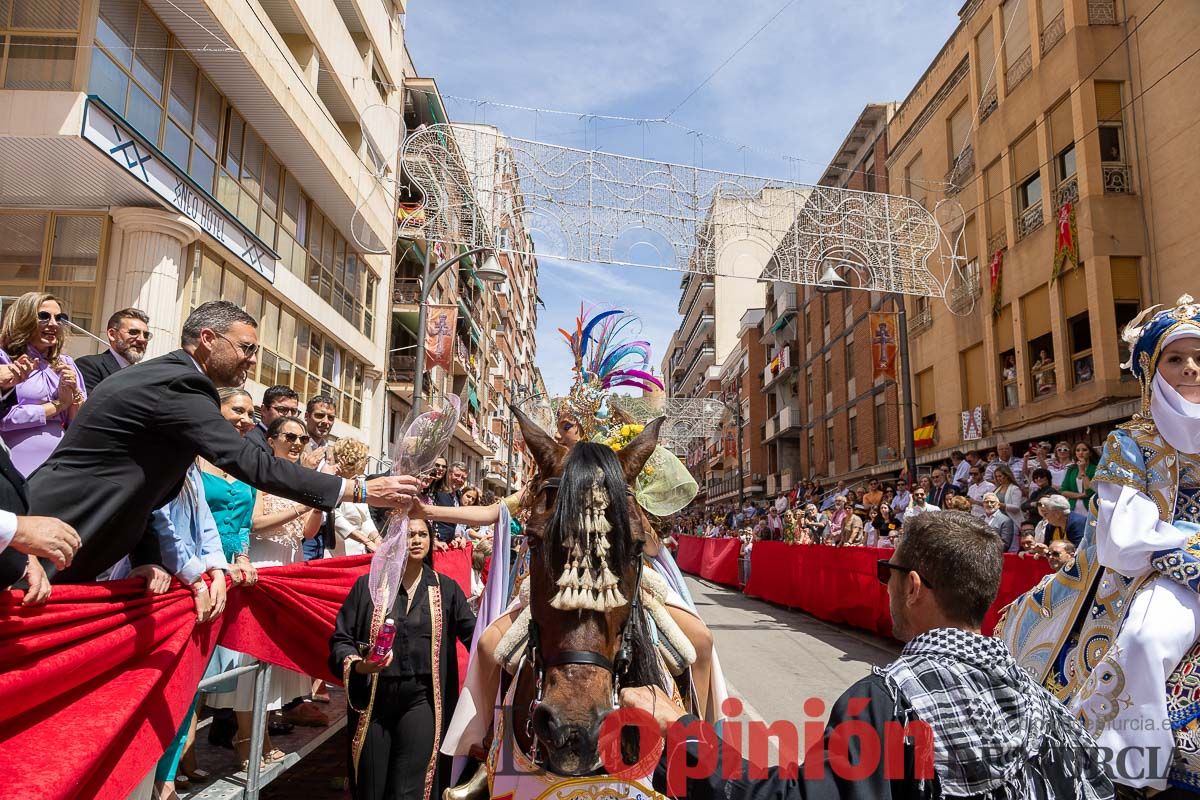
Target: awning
[
  {"x": 472, "y": 398},
  {"x": 784, "y": 319}
]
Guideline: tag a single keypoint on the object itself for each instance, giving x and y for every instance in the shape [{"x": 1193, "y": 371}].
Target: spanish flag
[{"x": 923, "y": 436}]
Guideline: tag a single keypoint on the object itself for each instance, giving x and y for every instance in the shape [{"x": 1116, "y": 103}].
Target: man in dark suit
[
  {"x": 128, "y": 336},
  {"x": 278, "y": 401},
  {"x": 129, "y": 447}
]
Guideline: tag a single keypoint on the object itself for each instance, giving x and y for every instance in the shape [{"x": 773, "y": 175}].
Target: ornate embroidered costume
[{"x": 1112, "y": 636}]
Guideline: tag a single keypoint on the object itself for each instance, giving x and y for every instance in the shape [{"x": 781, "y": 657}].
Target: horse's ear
[
  {"x": 546, "y": 451},
  {"x": 635, "y": 454}
]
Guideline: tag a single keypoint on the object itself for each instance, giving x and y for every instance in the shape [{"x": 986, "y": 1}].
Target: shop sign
[{"x": 132, "y": 152}]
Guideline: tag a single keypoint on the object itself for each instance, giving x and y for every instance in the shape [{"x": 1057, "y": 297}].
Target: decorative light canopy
[
  {"x": 479, "y": 188},
  {"x": 689, "y": 419}
]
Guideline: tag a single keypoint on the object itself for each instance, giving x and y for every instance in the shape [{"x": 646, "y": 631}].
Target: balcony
[
  {"x": 785, "y": 423},
  {"x": 1067, "y": 192},
  {"x": 1030, "y": 220},
  {"x": 406, "y": 292},
  {"x": 996, "y": 242},
  {"x": 920, "y": 320},
  {"x": 1018, "y": 70},
  {"x": 703, "y": 286},
  {"x": 779, "y": 367},
  {"x": 401, "y": 369},
  {"x": 1053, "y": 33},
  {"x": 989, "y": 104},
  {"x": 1118, "y": 179},
  {"x": 965, "y": 294},
  {"x": 707, "y": 352},
  {"x": 960, "y": 171},
  {"x": 1102, "y": 12}
]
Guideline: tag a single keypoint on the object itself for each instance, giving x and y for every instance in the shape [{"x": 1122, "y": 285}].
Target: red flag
[
  {"x": 994, "y": 272},
  {"x": 1066, "y": 240}
]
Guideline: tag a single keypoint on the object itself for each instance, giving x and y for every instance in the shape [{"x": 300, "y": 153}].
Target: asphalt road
[{"x": 775, "y": 659}]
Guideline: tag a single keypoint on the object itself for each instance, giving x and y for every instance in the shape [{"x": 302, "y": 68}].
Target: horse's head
[{"x": 585, "y": 537}]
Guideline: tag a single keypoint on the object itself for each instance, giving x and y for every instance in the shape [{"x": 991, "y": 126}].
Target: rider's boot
[{"x": 476, "y": 788}]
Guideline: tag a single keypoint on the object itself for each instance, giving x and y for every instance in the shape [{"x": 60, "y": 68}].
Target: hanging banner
[
  {"x": 439, "y": 336},
  {"x": 1066, "y": 240},
  {"x": 883, "y": 344},
  {"x": 972, "y": 424},
  {"x": 730, "y": 446},
  {"x": 996, "y": 278}
]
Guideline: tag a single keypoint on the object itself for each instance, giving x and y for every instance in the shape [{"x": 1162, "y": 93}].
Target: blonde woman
[
  {"x": 33, "y": 332},
  {"x": 355, "y": 531}
]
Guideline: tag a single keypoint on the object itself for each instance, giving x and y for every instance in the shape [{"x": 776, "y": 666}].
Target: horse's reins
[{"x": 617, "y": 667}]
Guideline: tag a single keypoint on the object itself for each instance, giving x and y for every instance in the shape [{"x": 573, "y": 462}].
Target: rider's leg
[
  {"x": 486, "y": 653},
  {"x": 702, "y": 639}
]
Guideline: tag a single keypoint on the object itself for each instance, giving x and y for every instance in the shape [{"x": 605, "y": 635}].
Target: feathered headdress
[{"x": 606, "y": 356}]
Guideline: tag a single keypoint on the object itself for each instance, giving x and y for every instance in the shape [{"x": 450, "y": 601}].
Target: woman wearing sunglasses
[{"x": 32, "y": 336}]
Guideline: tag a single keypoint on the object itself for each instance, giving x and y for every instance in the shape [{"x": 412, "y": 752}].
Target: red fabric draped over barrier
[
  {"x": 714, "y": 560},
  {"x": 838, "y": 584},
  {"x": 95, "y": 684}
]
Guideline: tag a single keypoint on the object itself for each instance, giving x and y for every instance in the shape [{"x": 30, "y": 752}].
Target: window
[
  {"x": 1062, "y": 141},
  {"x": 827, "y": 375},
  {"x": 1017, "y": 63},
  {"x": 852, "y": 435},
  {"x": 1007, "y": 360},
  {"x": 914, "y": 185},
  {"x": 881, "y": 432},
  {"x": 1109, "y": 115},
  {"x": 830, "y": 447},
  {"x": 926, "y": 394},
  {"x": 1127, "y": 300},
  {"x": 812, "y": 453},
  {"x": 1039, "y": 350},
  {"x": 993, "y": 181},
  {"x": 957, "y": 128},
  {"x": 1080, "y": 332},
  {"x": 849, "y": 348},
  {"x": 38, "y": 43},
  {"x": 868, "y": 173},
  {"x": 985, "y": 47},
  {"x": 1026, "y": 167},
  {"x": 974, "y": 378},
  {"x": 58, "y": 253}
]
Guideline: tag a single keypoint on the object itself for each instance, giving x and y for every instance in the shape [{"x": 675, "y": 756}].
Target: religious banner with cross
[
  {"x": 439, "y": 336},
  {"x": 884, "y": 342}
]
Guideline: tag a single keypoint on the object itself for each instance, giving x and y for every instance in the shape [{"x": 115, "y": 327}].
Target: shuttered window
[
  {"x": 1016, "y": 23},
  {"x": 1025, "y": 155},
  {"x": 1108, "y": 101},
  {"x": 1125, "y": 282},
  {"x": 926, "y": 393},
  {"x": 971, "y": 240},
  {"x": 1061, "y": 132},
  {"x": 1050, "y": 10},
  {"x": 1036, "y": 308},
  {"x": 994, "y": 183},
  {"x": 1073, "y": 290},
  {"x": 1004, "y": 330},
  {"x": 959, "y": 125},
  {"x": 985, "y": 45}
]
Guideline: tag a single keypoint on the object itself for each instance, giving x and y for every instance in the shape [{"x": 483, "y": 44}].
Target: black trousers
[{"x": 399, "y": 742}]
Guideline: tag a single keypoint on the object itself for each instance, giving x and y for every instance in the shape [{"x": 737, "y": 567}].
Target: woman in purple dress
[{"x": 34, "y": 329}]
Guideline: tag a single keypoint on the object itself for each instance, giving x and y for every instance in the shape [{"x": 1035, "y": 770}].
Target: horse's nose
[{"x": 576, "y": 739}]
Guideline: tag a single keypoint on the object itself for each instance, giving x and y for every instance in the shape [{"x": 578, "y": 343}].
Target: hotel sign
[{"x": 132, "y": 152}]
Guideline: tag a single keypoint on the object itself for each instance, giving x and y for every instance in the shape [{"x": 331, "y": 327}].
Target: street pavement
[{"x": 773, "y": 659}]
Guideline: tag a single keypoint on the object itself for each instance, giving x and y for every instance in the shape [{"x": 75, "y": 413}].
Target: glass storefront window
[{"x": 52, "y": 252}]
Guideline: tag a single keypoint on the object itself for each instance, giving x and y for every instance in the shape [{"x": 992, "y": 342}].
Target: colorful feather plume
[{"x": 606, "y": 352}]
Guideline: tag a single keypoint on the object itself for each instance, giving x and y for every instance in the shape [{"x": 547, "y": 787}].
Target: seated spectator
[
  {"x": 34, "y": 329},
  {"x": 1061, "y": 521},
  {"x": 128, "y": 335},
  {"x": 354, "y": 530},
  {"x": 812, "y": 526}
]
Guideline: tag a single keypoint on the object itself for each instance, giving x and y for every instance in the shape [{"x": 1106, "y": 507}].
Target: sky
[{"x": 779, "y": 107}]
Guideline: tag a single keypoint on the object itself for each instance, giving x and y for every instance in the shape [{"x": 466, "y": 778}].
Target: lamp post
[
  {"x": 491, "y": 272},
  {"x": 830, "y": 281}
]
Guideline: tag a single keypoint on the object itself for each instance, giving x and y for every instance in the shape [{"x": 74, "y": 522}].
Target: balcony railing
[
  {"x": 963, "y": 296},
  {"x": 963, "y": 168},
  {"x": 779, "y": 366},
  {"x": 1067, "y": 192},
  {"x": 1053, "y": 33},
  {"x": 989, "y": 103},
  {"x": 920, "y": 321},
  {"x": 1030, "y": 220},
  {"x": 1102, "y": 12},
  {"x": 997, "y": 241},
  {"x": 401, "y": 369},
  {"x": 705, "y": 283},
  {"x": 406, "y": 292},
  {"x": 1018, "y": 70},
  {"x": 1118, "y": 179}
]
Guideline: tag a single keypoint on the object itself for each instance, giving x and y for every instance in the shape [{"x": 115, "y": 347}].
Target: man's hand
[
  {"x": 39, "y": 585},
  {"x": 218, "y": 592},
  {"x": 16, "y": 372},
  {"x": 392, "y": 491},
  {"x": 312, "y": 458},
  {"x": 655, "y": 702},
  {"x": 46, "y": 537},
  {"x": 203, "y": 601},
  {"x": 243, "y": 572},
  {"x": 157, "y": 579}
]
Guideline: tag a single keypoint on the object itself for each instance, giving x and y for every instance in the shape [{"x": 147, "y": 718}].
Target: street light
[
  {"x": 831, "y": 281},
  {"x": 490, "y": 272}
]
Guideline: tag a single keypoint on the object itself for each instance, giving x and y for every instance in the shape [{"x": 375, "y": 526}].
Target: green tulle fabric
[{"x": 664, "y": 485}]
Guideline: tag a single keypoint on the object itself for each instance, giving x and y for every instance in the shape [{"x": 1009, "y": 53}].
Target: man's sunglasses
[
  {"x": 61, "y": 318},
  {"x": 286, "y": 411},
  {"x": 883, "y": 571},
  {"x": 292, "y": 438}
]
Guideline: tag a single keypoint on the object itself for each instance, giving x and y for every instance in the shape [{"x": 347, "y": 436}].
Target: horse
[{"x": 587, "y": 636}]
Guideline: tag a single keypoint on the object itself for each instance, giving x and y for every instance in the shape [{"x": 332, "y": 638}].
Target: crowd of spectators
[{"x": 1036, "y": 502}]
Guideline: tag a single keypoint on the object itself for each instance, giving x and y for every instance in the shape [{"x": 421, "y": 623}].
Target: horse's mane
[{"x": 587, "y": 464}]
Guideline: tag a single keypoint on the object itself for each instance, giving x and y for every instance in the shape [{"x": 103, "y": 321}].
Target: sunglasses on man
[
  {"x": 884, "y": 568},
  {"x": 62, "y": 318}
]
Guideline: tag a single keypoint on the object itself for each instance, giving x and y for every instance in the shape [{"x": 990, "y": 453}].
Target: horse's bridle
[{"x": 617, "y": 667}]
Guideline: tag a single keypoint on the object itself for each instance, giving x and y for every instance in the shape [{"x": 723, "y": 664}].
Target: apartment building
[
  {"x": 739, "y": 384},
  {"x": 494, "y": 347},
  {"x": 158, "y": 156},
  {"x": 1033, "y": 112}
]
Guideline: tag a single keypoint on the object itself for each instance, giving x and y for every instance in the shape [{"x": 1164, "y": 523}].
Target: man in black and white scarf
[{"x": 977, "y": 725}]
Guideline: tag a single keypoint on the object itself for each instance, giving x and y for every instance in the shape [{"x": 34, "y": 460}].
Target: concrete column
[{"x": 150, "y": 270}]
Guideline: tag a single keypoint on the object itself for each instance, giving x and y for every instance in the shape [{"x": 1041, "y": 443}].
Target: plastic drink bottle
[{"x": 383, "y": 642}]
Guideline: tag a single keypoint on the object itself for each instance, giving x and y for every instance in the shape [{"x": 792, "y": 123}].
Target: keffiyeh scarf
[{"x": 996, "y": 733}]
